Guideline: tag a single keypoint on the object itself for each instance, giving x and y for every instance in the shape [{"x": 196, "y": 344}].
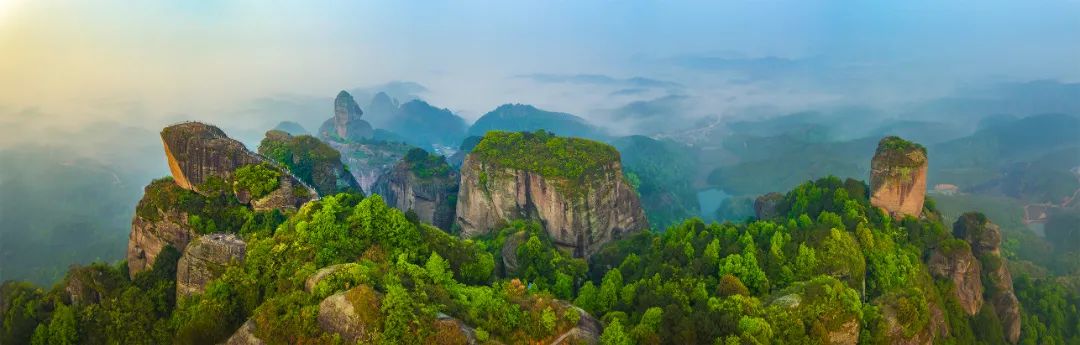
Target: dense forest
[{"x": 828, "y": 266}]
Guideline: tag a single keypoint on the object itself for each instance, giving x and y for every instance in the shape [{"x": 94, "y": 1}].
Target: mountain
[
  {"x": 424, "y": 184},
  {"x": 664, "y": 171},
  {"x": 290, "y": 127},
  {"x": 575, "y": 187},
  {"x": 425, "y": 126},
  {"x": 346, "y": 125},
  {"x": 523, "y": 117}
]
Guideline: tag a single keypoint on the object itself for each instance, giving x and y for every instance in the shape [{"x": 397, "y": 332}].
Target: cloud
[{"x": 600, "y": 79}]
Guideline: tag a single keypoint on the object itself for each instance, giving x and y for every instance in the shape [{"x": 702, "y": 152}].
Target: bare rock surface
[
  {"x": 898, "y": 177},
  {"x": 206, "y": 259}
]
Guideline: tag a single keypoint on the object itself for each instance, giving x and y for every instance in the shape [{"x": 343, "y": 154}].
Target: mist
[{"x": 93, "y": 82}]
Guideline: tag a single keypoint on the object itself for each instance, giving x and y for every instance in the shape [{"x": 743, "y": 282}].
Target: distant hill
[{"x": 523, "y": 117}]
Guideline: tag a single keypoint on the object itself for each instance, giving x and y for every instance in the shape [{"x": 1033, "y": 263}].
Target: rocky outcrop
[
  {"x": 157, "y": 225},
  {"x": 370, "y": 159},
  {"x": 346, "y": 124},
  {"x": 954, "y": 262},
  {"x": 587, "y": 330},
  {"x": 206, "y": 259},
  {"x": 767, "y": 206},
  {"x": 423, "y": 183},
  {"x": 898, "y": 332},
  {"x": 353, "y": 314},
  {"x": 89, "y": 284},
  {"x": 310, "y": 159},
  {"x": 898, "y": 177},
  {"x": 985, "y": 240},
  {"x": 197, "y": 151},
  {"x": 579, "y": 214},
  {"x": 245, "y": 335}
]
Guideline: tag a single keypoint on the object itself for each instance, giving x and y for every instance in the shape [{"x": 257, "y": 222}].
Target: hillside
[{"x": 527, "y": 118}]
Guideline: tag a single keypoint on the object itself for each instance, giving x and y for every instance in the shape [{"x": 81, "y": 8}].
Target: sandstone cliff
[
  {"x": 985, "y": 240},
  {"x": 346, "y": 124},
  {"x": 423, "y": 183},
  {"x": 954, "y": 261},
  {"x": 157, "y": 224},
  {"x": 313, "y": 161},
  {"x": 205, "y": 259},
  {"x": 898, "y": 177},
  {"x": 574, "y": 187},
  {"x": 198, "y": 154}
]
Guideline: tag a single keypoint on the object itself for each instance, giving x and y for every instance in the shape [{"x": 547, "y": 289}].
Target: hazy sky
[{"x": 143, "y": 62}]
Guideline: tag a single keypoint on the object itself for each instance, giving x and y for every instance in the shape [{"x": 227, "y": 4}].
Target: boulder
[
  {"x": 587, "y": 330},
  {"x": 423, "y": 183},
  {"x": 245, "y": 335},
  {"x": 954, "y": 261},
  {"x": 353, "y": 314},
  {"x": 206, "y": 259},
  {"x": 583, "y": 200},
  {"x": 898, "y": 177}
]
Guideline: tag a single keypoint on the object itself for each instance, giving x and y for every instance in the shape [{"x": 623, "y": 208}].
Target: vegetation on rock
[
  {"x": 257, "y": 179},
  {"x": 572, "y": 159}
]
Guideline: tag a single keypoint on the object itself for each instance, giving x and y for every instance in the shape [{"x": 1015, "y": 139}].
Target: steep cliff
[
  {"x": 985, "y": 240},
  {"x": 574, "y": 187},
  {"x": 205, "y": 259},
  {"x": 953, "y": 261},
  {"x": 158, "y": 222},
  {"x": 370, "y": 159},
  {"x": 898, "y": 177},
  {"x": 423, "y": 183},
  {"x": 310, "y": 159},
  {"x": 346, "y": 125},
  {"x": 200, "y": 156}
]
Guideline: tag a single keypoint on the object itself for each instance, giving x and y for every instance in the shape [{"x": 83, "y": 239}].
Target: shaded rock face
[
  {"x": 432, "y": 198},
  {"x": 898, "y": 177},
  {"x": 353, "y": 314},
  {"x": 603, "y": 209},
  {"x": 149, "y": 235},
  {"x": 308, "y": 158},
  {"x": 197, "y": 151},
  {"x": 959, "y": 266},
  {"x": 205, "y": 259},
  {"x": 936, "y": 327},
  {"x": 87, "y": 285},
  {"x": 767, "y": 206},
  {"x": 587, "y": 330},
  {"x": 346, "y": 123},
  {"x": 985, "y": 240}
]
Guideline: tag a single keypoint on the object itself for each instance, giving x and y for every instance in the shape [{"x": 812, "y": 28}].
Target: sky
[{"x": 145, "y": 63}]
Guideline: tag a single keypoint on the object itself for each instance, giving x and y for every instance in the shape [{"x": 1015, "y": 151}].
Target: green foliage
[
  {"x": 308, "y": 158},
  {"x": 257, "y": 179},
  {"x": 615, "y": 335},
  {"x": 894, "y": 143},
  {"x": 574, "y": 160},
  {"x": 425, "y": 165}
]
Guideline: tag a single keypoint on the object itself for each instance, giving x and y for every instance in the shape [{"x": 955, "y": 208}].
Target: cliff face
[
  {"x": 197, "y": 151},
  {"x": 156, "y": 226},
  {"x": 422, "y": 183},
  {"x": 955, "y": 262},
  {"x": 313, "y": 161},
  {"x": 603, "y": 208},
  {"x": 765, "y": 206},
  {"x": 368, "y": 160},
  {"x": 985, "y": 240},
  {"x": 205, "y": 259},
  {"x": 898, "y": 177},
  {"x": 346, "y": 123}
]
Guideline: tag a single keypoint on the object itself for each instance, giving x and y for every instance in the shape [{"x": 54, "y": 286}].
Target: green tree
[
  {"x": 62, "y": 328},
  {"x": 615, "y": 335}
]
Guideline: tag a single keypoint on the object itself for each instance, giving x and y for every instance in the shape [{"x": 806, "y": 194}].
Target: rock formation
[
  {"x": 985, "y": 240},
  {"x": 197, "y": 152},
  {"x": 205, "y": 259},
  {"x": 310, "y": 159},
  {"x": 582, "y": 202},
  {"x": 156, "y": 225},
  {"x": 352, "y": 314},
  {"x": 423, "y": 183},
  {"x": 346, "y": 124},
  {"x": 245, "y": 335},
  {"x": 765, "y": 206},
  {"x": 370, "y": 159},
  {"x": 954, "y": 261},
  {"x": 898, "y": 177}
]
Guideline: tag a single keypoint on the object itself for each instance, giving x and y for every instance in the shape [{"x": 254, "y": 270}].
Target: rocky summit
[
  {"x": 898, "y": 177},
  {"x": 574, "y": 187},
  {"x": 984, "y": 238},
  {"x": 346, "y": 125},
  {"x": 197, "y": 151}
]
